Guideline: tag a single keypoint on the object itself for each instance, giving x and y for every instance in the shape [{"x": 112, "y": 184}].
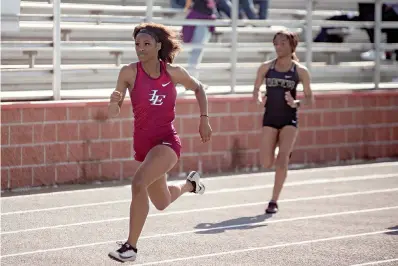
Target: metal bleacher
[{"x": 96, "y": 41}]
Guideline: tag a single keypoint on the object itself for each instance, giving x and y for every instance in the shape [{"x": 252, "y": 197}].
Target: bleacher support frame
[{"x": 60, "y": 36}]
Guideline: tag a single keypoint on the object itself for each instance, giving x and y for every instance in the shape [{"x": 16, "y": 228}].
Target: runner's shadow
[
  {"x": 394, "y": 233},
  {"x": 241, "y": 223}
]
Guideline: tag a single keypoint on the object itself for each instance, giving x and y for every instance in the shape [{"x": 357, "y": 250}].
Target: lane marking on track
[
  {"x": 349, "y": 194},
  {"x": 215, "y": 178},
  {"x": 224, "y": 190},
  {"x": 268, "y": 247},
  {"x": 222, "y": 227}
]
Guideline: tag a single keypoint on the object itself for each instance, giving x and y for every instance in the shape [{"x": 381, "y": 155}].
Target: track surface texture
[{"x": 343, "y": 215}]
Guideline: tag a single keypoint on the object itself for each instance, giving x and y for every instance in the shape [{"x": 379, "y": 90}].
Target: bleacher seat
[{"x": 96, "y": 41}]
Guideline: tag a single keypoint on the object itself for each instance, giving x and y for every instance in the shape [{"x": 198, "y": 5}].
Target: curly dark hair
[{"x": 170, "y": 39}]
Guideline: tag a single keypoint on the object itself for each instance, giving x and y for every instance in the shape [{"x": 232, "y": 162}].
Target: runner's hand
[{"x": 205, "y": 130}]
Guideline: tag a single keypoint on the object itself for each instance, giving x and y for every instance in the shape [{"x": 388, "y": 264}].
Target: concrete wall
[{"x": 46, "y": 143}]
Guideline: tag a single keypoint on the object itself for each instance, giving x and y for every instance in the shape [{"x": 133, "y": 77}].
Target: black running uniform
[{"x": 277, "y": 112}]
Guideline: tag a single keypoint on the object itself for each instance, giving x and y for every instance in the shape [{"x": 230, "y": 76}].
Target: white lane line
[
  {"x": 224, "y": 190},
  {"x": 305, "y": 171},
  {"x": 307, "y": 182},
  {"x": 374, "y": 262},
  {"x": 66, "y": 207},
  {"x": 237, "y": 251},
  {"x": 210, "y": 229},
  {"x": 273, "y": 221},
  {"x": 228, "y": 177},
  {"x": 348, "y": 194}
]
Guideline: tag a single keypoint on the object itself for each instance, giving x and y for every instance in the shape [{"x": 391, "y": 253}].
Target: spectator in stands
[
  {"x": 366, "y": 13},
  {"x": 339, "y": 34},
  {"x": 248, "y": 8},
  {"x": 389, "y": 13},
  {"x": 151, "y": 84},
  {"x": 199, "y": 34},
  {"x": 224, "y": 6},
  {"x": 262, "y": 8},
  {"x": 177, "y": 4},
  {"x": 282, "y": 75},
  {"x": 245, "y": 7}
]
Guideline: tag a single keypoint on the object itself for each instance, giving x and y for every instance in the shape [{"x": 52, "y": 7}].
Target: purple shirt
[{"x": 188, "y": 30}]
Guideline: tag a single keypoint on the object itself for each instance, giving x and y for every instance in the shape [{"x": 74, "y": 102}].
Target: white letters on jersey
[{"x": 156, "y": 99}]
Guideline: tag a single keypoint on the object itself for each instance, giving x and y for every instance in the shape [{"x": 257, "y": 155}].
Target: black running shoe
[{"x": 272, "y": 207}]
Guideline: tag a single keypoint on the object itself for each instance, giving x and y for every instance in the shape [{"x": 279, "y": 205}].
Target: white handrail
[
  {"x": 149, "y": 10},
  {"x": 377, "y": 41},
  {"x": 234, "y": 42},
  {"x": 218, "y": 23},
  {"x": 308, "y": 35},
  {"x": 80, "y": 45},
  {"x": 57, "y": 50}
]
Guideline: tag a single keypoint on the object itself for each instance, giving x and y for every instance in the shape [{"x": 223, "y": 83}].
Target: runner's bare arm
[{"x": 125, "y": 79}]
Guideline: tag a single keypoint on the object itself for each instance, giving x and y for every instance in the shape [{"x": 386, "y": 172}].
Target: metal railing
[
  {"x": 234, "y": 22},
  {"x": 57, "y": 49}
]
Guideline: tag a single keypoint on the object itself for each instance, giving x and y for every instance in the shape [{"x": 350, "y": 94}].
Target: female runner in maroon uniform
[{"x": 151, "y": 84}]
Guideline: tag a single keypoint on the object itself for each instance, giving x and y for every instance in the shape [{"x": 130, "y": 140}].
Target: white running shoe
[
  {"x": 198, "y": 187},
  {"x": 125, "y": 253},
  {"x": 371, "y": 55}
]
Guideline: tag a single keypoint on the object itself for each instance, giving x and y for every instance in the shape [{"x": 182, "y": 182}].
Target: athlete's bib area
[{"x": 46, "y": 143}]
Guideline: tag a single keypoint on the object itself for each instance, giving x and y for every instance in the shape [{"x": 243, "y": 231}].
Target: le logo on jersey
[{"x": 156, "y": 99}]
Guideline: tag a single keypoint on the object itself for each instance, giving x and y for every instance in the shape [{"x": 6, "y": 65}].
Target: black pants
[
  {"x": 367, "y": 13},
  {"x": 324, "y": 36}
]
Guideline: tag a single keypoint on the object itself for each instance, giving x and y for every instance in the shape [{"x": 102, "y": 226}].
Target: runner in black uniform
[{"x": 280, "y": 119}]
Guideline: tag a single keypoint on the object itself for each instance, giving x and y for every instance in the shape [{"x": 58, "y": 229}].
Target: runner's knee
[
  {"x": 268, "y": 162},
  {"x": 282, "y": 160},
  {"x": 138, "y": 185}
]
